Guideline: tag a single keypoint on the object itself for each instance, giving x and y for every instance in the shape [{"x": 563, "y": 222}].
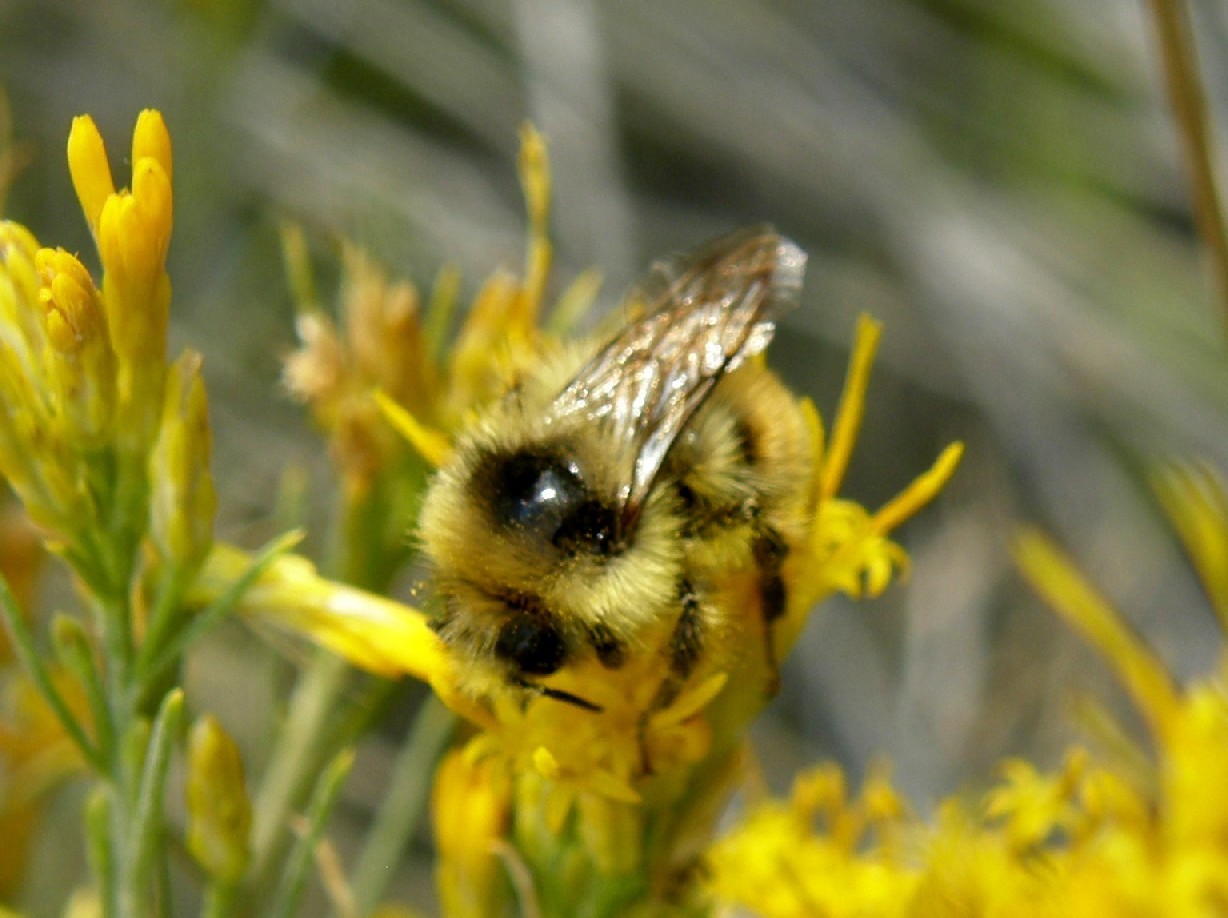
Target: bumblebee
[{"x": 593, "y": 511}]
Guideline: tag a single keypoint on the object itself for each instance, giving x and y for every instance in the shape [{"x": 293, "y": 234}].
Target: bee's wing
[{"x": 700, "y": 318}]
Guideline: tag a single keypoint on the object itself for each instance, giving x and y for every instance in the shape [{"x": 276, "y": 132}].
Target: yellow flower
[
  {"x": 849, "y": 551},
  {"x": 132, "y": 229},
  {"x": 377, "y": 634},
  {"x": 385, "y": 360},
  {"x": 1092, "y": 838},
  {"x": 83, "y": 369},
  {"x": 50, "y": 410},
  {"x": 803, "y": 857},
  {"x": 1035, "y": 806},
  {"x": 381, "y": 346},
  {"x": 472, "y": 811},
  {"x": 79, "y": 361}
]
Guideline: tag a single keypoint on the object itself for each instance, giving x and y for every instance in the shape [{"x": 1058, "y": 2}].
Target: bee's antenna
[{"x": 560, "y": 695}]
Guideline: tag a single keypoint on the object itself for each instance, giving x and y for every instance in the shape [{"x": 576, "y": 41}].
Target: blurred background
[{"x": 1000, "y": 184}]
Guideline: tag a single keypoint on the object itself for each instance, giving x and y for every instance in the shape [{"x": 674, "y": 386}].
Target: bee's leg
[
  {"x": 770, "y": 551},
  {"x": 682, "y": 654},
  {"x": 686, "y": 644}
]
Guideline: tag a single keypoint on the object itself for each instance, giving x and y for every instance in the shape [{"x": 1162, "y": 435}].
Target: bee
[{"x": 595, "y": 508}]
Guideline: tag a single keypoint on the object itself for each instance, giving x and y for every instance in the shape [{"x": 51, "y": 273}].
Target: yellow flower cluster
[
  {"x": 108, "y": 450},
  {"x": 83, "y": 370},
  {"x": 1090, "y": 839}
]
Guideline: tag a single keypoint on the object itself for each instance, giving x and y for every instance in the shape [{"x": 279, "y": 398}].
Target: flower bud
[
  {"x": 91, "y": 172},
  {"x": 219, "y": 811},
  {"x": 183, "y": 501}
]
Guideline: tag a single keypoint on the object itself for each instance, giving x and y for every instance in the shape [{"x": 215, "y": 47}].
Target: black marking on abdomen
[
  {"x": 770, "y": 550},
  {"x": 533, "y": 644},
  {"x": 748, "y": 442}
]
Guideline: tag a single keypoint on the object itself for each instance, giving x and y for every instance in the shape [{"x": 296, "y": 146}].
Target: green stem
[
  {"x": 147, "y": 824},
  {"x": 295, "y": 760},
  {"x": 112, "y": 618},
  {"x": 324, "y": 797},
  {"x": 403, "y": 805},
  {"x": 1190, "y": 108},
  {"x": 221, "y": 900},
  {"x": 99, "y": 849},
  {"x": 312, "y": 729},
  {"x": 128, "y": 764},
  {"x": 154, "y": 659},
  {"x": 161, "y": 616}
]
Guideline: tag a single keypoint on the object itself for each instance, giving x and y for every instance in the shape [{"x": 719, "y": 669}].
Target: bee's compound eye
[
  {"x": 533, "y": 643},
  {"x": 534, "y": 491}
]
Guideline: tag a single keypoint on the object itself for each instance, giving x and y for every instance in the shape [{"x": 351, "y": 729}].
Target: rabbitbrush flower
[
  {"x": 108, "y": 451},
  {"x": 1090, "y": 838}
]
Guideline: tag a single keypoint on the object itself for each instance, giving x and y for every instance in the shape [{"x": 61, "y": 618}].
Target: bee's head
[{"x": 528, "y": 557}]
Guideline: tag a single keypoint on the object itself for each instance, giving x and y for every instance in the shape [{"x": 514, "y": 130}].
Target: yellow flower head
[
  {"x": 804, "y": 856},
  {"x": 132, "y": 229},
  {"x": 52, "y": 406},
  {"x": 380, "y": 346},
  {"x": 83, "y": 368}
]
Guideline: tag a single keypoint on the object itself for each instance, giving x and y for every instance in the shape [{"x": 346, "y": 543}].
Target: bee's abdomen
[{"x": 747, "y": 460}]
